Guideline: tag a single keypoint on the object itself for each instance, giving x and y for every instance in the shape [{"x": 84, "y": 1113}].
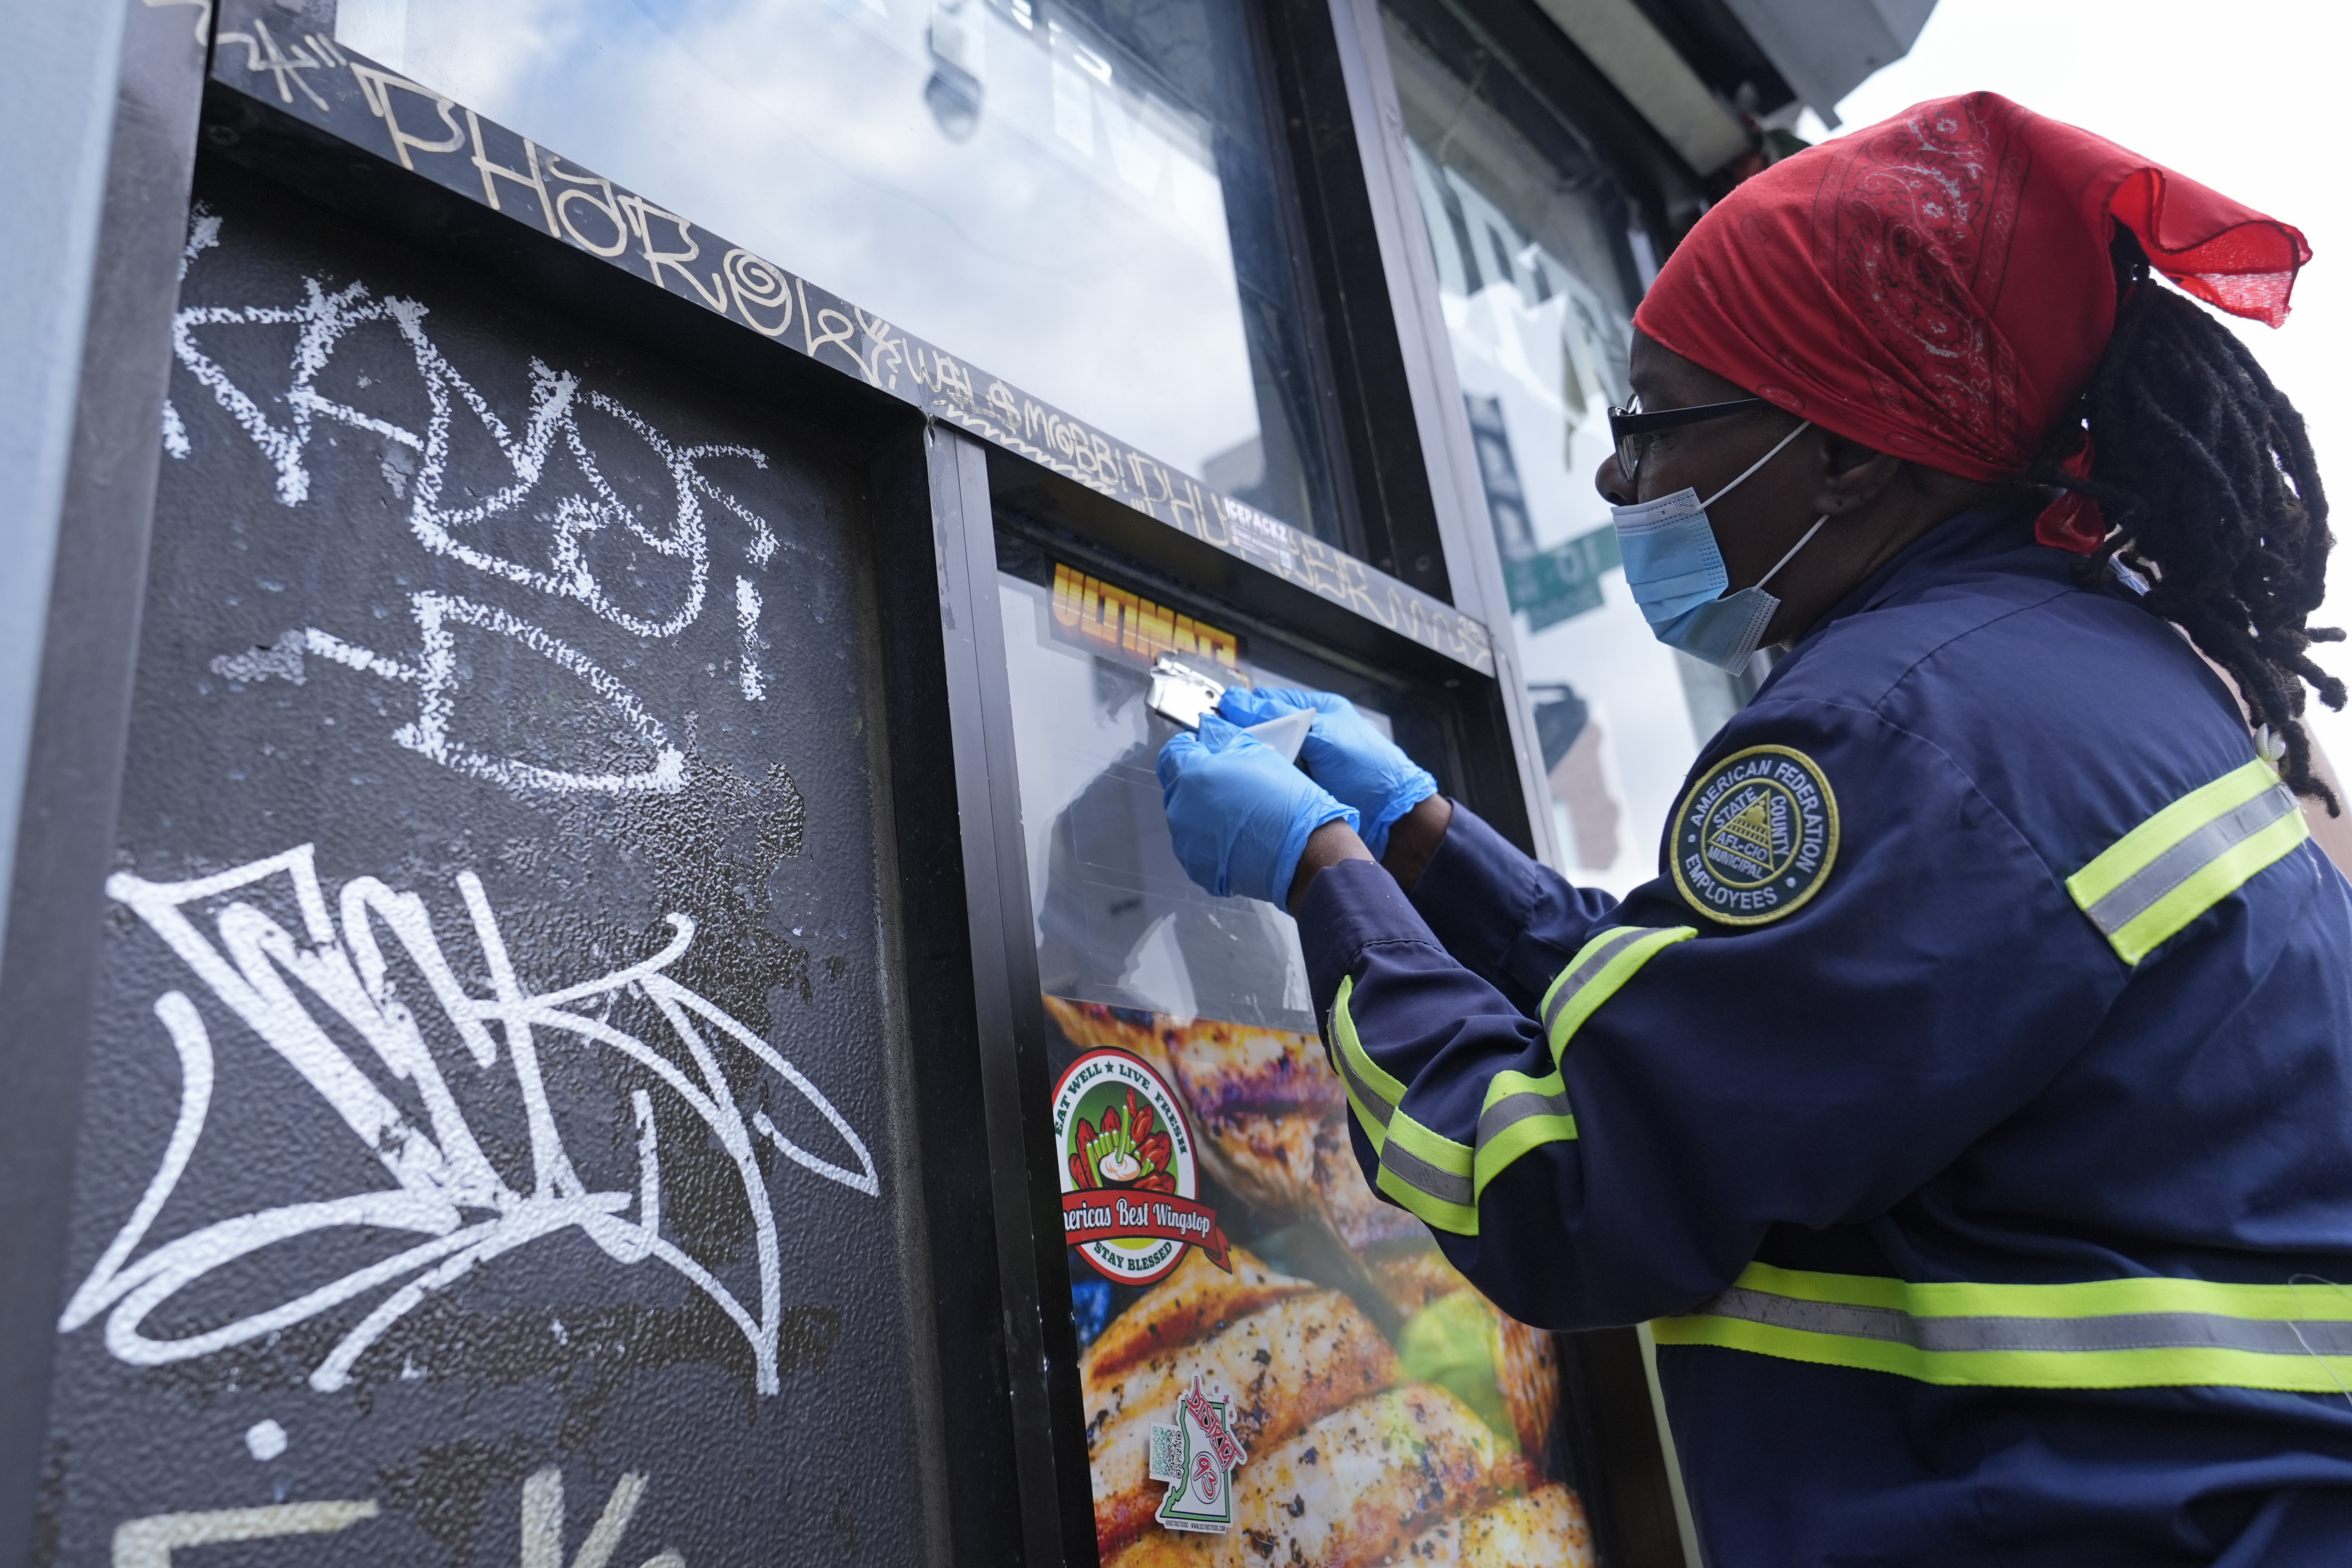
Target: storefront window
[
  {"x": 1538, "y": 272},
  {"x": 1078, "y": 195},
  {"x": 1224, "y": 1241},
  {"x": 1117, "y": 920}
]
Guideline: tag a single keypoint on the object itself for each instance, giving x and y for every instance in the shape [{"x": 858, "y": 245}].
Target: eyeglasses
[{"x": 1630, "y": 428}]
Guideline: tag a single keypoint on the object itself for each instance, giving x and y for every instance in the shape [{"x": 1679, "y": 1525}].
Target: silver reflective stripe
[
  {"x": 1513, "y": 1109},
  {"x": 1582, "y": 975},
  {"x": 1414, "y": 1171},
  {"x": 1379, "y": 1110},
  {"x": 2140, "y": 891},
  {"x": 2118, "y": 1331}
]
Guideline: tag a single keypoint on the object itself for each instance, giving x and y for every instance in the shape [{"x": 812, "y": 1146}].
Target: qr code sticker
[{"x": 1167, "y": 1453}]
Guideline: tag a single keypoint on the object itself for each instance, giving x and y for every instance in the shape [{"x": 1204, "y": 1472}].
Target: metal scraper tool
[{"x": 1181, "y": 694}]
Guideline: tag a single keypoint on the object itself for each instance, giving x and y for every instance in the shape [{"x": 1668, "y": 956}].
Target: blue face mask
[{"x": 1678, "y": 576}]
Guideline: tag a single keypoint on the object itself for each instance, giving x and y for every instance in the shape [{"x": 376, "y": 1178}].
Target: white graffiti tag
[
  {"x": 419, "y": 467},
  {"x": 444, "y": 1188}
]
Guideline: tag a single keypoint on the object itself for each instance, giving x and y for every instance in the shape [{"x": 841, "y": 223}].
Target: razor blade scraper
[{"x": 1181, "y": 694}]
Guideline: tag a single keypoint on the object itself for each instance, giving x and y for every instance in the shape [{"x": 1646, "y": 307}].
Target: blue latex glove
[
  {"x": 1360, "y": 766},
  {"x": 1238, "y": 813}
]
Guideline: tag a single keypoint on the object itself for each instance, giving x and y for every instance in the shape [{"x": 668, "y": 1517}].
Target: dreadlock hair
[{"x": 2210, "y": 493}]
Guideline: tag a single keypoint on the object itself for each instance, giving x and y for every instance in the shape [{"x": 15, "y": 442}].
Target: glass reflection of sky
[
  {"x": 1540, "y": 326},
  {"x": 1554, "y": 366},
  {"x": 998, "y": 178}
]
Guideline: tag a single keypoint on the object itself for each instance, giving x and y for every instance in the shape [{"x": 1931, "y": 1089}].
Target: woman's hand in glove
[
  {"x": 1238, "y": 815},
  {"x": 1360, "y": 766}
]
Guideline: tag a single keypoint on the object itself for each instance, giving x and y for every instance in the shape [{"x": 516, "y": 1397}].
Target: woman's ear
[{"x": 1853, "y": 475}]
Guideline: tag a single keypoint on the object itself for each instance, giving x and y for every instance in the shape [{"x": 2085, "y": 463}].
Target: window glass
[
  {"x": 1078, "y": 195},
  {"x": 1537, "y": 275},
  {"x": 1223, "y": 1236},
  {"x": 1117, "y": 920}
]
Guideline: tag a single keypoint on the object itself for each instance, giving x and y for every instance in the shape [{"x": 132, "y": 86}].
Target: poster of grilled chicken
[{"x": 1390, "y": 1415}]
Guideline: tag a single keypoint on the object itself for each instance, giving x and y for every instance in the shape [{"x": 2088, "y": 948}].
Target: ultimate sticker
[
  {"x": 1755, "y": 837},
  {"x": 1130, "y": 1181}
]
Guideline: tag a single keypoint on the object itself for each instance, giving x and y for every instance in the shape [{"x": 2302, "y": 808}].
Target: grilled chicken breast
[
  {"x": 1352, "y": 1489},
  {"x": 1227, "y": 1069},
  {"x": 1544, "y": 1529},
  {"x": 1268, "y": 1161},
  {"x": 1284, "y": 1367},
  {"x": 1196, "y": 1300},
  {"x": 1528, "y": 1372},
  {"x": 1092, "y": 1025},
  {"x": 1415, "y": 1279},
  {"x": 1258, "y": 1098},
  {"x": 1361, "y": 1217}
]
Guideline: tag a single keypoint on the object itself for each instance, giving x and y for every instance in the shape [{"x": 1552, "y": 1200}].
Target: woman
[{"x": 1969, "y": 1100}]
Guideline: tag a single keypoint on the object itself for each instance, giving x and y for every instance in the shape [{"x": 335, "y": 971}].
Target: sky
[{"x": 2245, "y": 97}]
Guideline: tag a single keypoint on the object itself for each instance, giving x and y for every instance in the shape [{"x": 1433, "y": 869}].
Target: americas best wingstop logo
[
  {"x": 1130, "y": 1184},
  {"x": 1756, "y": 835}
]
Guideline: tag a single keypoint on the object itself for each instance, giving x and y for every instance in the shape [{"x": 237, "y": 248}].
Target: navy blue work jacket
[{"x": 1968, "y": 1102}]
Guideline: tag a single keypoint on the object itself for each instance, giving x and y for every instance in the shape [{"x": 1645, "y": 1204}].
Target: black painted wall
[{"x": 495, "y": 1141}]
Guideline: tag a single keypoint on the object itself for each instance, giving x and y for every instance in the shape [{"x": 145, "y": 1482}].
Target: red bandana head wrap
[{"x": 1938, "y": 286}]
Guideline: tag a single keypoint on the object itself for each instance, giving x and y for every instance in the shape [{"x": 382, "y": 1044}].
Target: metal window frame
[{"x": 1017, "y": 1477}]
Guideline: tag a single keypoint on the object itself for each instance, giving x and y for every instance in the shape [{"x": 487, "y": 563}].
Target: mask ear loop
[
  {"x": 1793, "y": 549},
  {"x": 1753, "y": 467}
]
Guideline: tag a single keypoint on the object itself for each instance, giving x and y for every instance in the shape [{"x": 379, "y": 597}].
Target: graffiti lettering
[
  {"x": 325, "y": 322},
  {"x": 447, "y": 1189}
]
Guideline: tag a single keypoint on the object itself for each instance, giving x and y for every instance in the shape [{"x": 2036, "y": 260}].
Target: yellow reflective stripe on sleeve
[
  {"x": 1520, "y": 1113},
  {"x": 1440, "y": 1180},
  {"x": 2102, "y": 1333},
  {"x": 1372, "y": 1094},
  {"x": 2187, "y": 857},
  {"x": 1429, "y": 1173},
  {"x": 1425, "y": 1172},
  {"x": 1594, "y": 975}
]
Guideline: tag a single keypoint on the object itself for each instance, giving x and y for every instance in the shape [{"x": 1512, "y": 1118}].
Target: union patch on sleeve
[{"x": 1755, "y": 837}]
